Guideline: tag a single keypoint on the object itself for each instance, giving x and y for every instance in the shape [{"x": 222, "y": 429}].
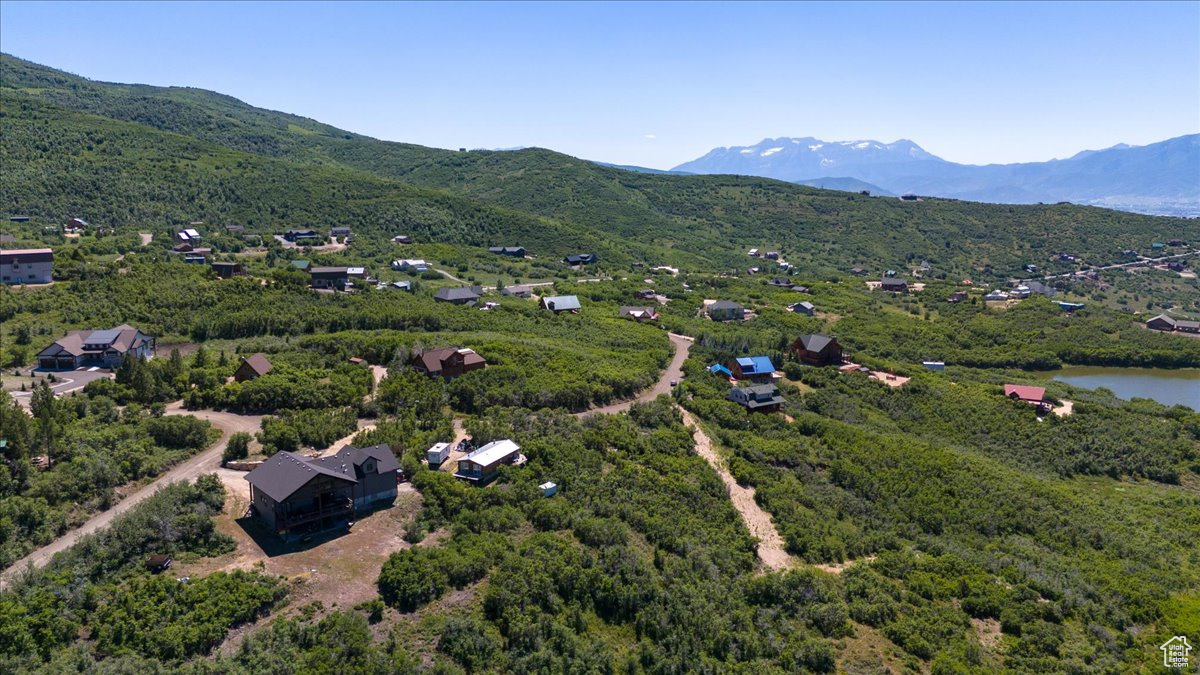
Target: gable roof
[
  {"x": 815, "y": 342},
  {"x": 332, "y": 271},
  {"x": 459, "y": 293},
  {"x": 637, "y": 312},
  {"x": 725, "y": 304},
  {"x": 122, "y": 338},
  {"x": 27, "y": 255},
  {"x": 258, "y": 363},
  {"x": 1025, "y": 392},
  {"x": 756, "y": 365},
  {"x": 493, "y": 452},
  {"x": 349, "y": 460},
  {"x": 432, "y": 359},
  {"x": 1163, "y": 317},
  {"x": 284, "y": 473},
  {"x": 561, "y": 303},
  {"x": 758, "y": 396}
]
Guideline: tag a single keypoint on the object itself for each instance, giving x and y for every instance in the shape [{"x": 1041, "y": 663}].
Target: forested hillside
[
  {"x": 317, "y": 179},
  {"x": 891, "y": 516}
]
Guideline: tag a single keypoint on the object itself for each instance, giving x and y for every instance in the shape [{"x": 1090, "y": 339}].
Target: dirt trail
[
  {"x": 771, "y": 549},
  {"x": 207, "y": 461},
  {"x": 674, "y": 371},
  {"x": 460, "y": 434}
]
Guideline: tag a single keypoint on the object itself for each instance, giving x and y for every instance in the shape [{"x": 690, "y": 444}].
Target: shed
[
  {"x": 158, "y": 562},
  {"x": 934, "y": 365},
  {"x": 548, "y": 489}
]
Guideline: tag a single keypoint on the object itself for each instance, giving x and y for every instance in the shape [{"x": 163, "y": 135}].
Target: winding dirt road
[
  {"x": 674, "y": 371},
  {"x": 207, "y": 461},
  {"x": 771, "y": 548}
]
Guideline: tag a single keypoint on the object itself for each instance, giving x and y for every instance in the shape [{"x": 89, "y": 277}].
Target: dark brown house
[
  {"x": 817, "y": 350},
  {"x": 294, "y": 496},
  {"x": 228, "y": 270},
  {"x": 329, "y": 277},
  {"x": 448, "y": 362},
  {"x": 252, "y": 367},
  {"x": 1161, "y": 322}
]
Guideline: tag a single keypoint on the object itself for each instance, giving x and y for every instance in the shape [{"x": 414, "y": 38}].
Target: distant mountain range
[{"x": 1161, "y": 178}]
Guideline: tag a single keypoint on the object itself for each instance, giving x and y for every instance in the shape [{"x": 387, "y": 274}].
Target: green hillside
[
  {"x": 907, "y": 521},
  {"x": 709, "y": 218}
]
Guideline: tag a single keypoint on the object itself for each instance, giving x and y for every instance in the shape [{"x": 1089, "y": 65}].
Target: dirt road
[
  {"x": 771, "y": 549},
  {"x": 674, "y": 371},
  {"x": 207, "y": 461}
]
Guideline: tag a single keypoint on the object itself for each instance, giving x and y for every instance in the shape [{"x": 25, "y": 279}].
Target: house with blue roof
[
  {"x": 718, "y": 369},
  {"x": 753, "y": 368}
]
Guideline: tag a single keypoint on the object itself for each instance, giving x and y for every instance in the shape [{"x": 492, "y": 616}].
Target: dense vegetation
[
  {"x": 99, "y": 588},
  {"x": 936, "y": 527},
  {"x": 89, "y": 449},
  {"x": 202, "y": 156}
]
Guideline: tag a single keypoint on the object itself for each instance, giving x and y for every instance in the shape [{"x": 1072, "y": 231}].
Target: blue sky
[{"x": 659, "y": 84}]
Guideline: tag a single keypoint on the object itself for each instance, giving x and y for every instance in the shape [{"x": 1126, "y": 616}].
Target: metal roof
[
  {"x": 493, "y": 452},
  {"x": 756, "y": 364},
  {"x": 561, "y": 302}
]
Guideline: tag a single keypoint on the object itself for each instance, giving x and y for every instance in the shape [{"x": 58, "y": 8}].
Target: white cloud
[{"x": 649, "y": 136}]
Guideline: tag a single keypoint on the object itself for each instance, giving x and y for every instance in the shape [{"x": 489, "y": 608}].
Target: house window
[{"x": 369, "y": 467}]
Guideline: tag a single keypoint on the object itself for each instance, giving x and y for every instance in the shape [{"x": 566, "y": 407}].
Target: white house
[
  {"x": 414, "y": 264},
  {"x": 188, "y": 236},
  {"x": 481, "y": 466}
]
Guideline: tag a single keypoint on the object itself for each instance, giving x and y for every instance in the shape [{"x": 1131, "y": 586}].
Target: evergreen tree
[{"x": 45, "y": 410}]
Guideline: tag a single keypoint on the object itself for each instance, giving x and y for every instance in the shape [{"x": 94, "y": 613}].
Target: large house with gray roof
[
  {"x": 759, "y": 398},
  {"x": 99, "y": 348},
  {"x": 463, "y": 295},
  {"x": 561, "y": 303},
  {"x": 294, "y": 495},
  {"x": 27, "y": 266}
]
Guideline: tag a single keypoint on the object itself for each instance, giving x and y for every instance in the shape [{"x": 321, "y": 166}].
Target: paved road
[
  {"x": 69, "y": 381},
  {"x": 674, "y": 371},
  {"x": 207, "y": 461}
]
